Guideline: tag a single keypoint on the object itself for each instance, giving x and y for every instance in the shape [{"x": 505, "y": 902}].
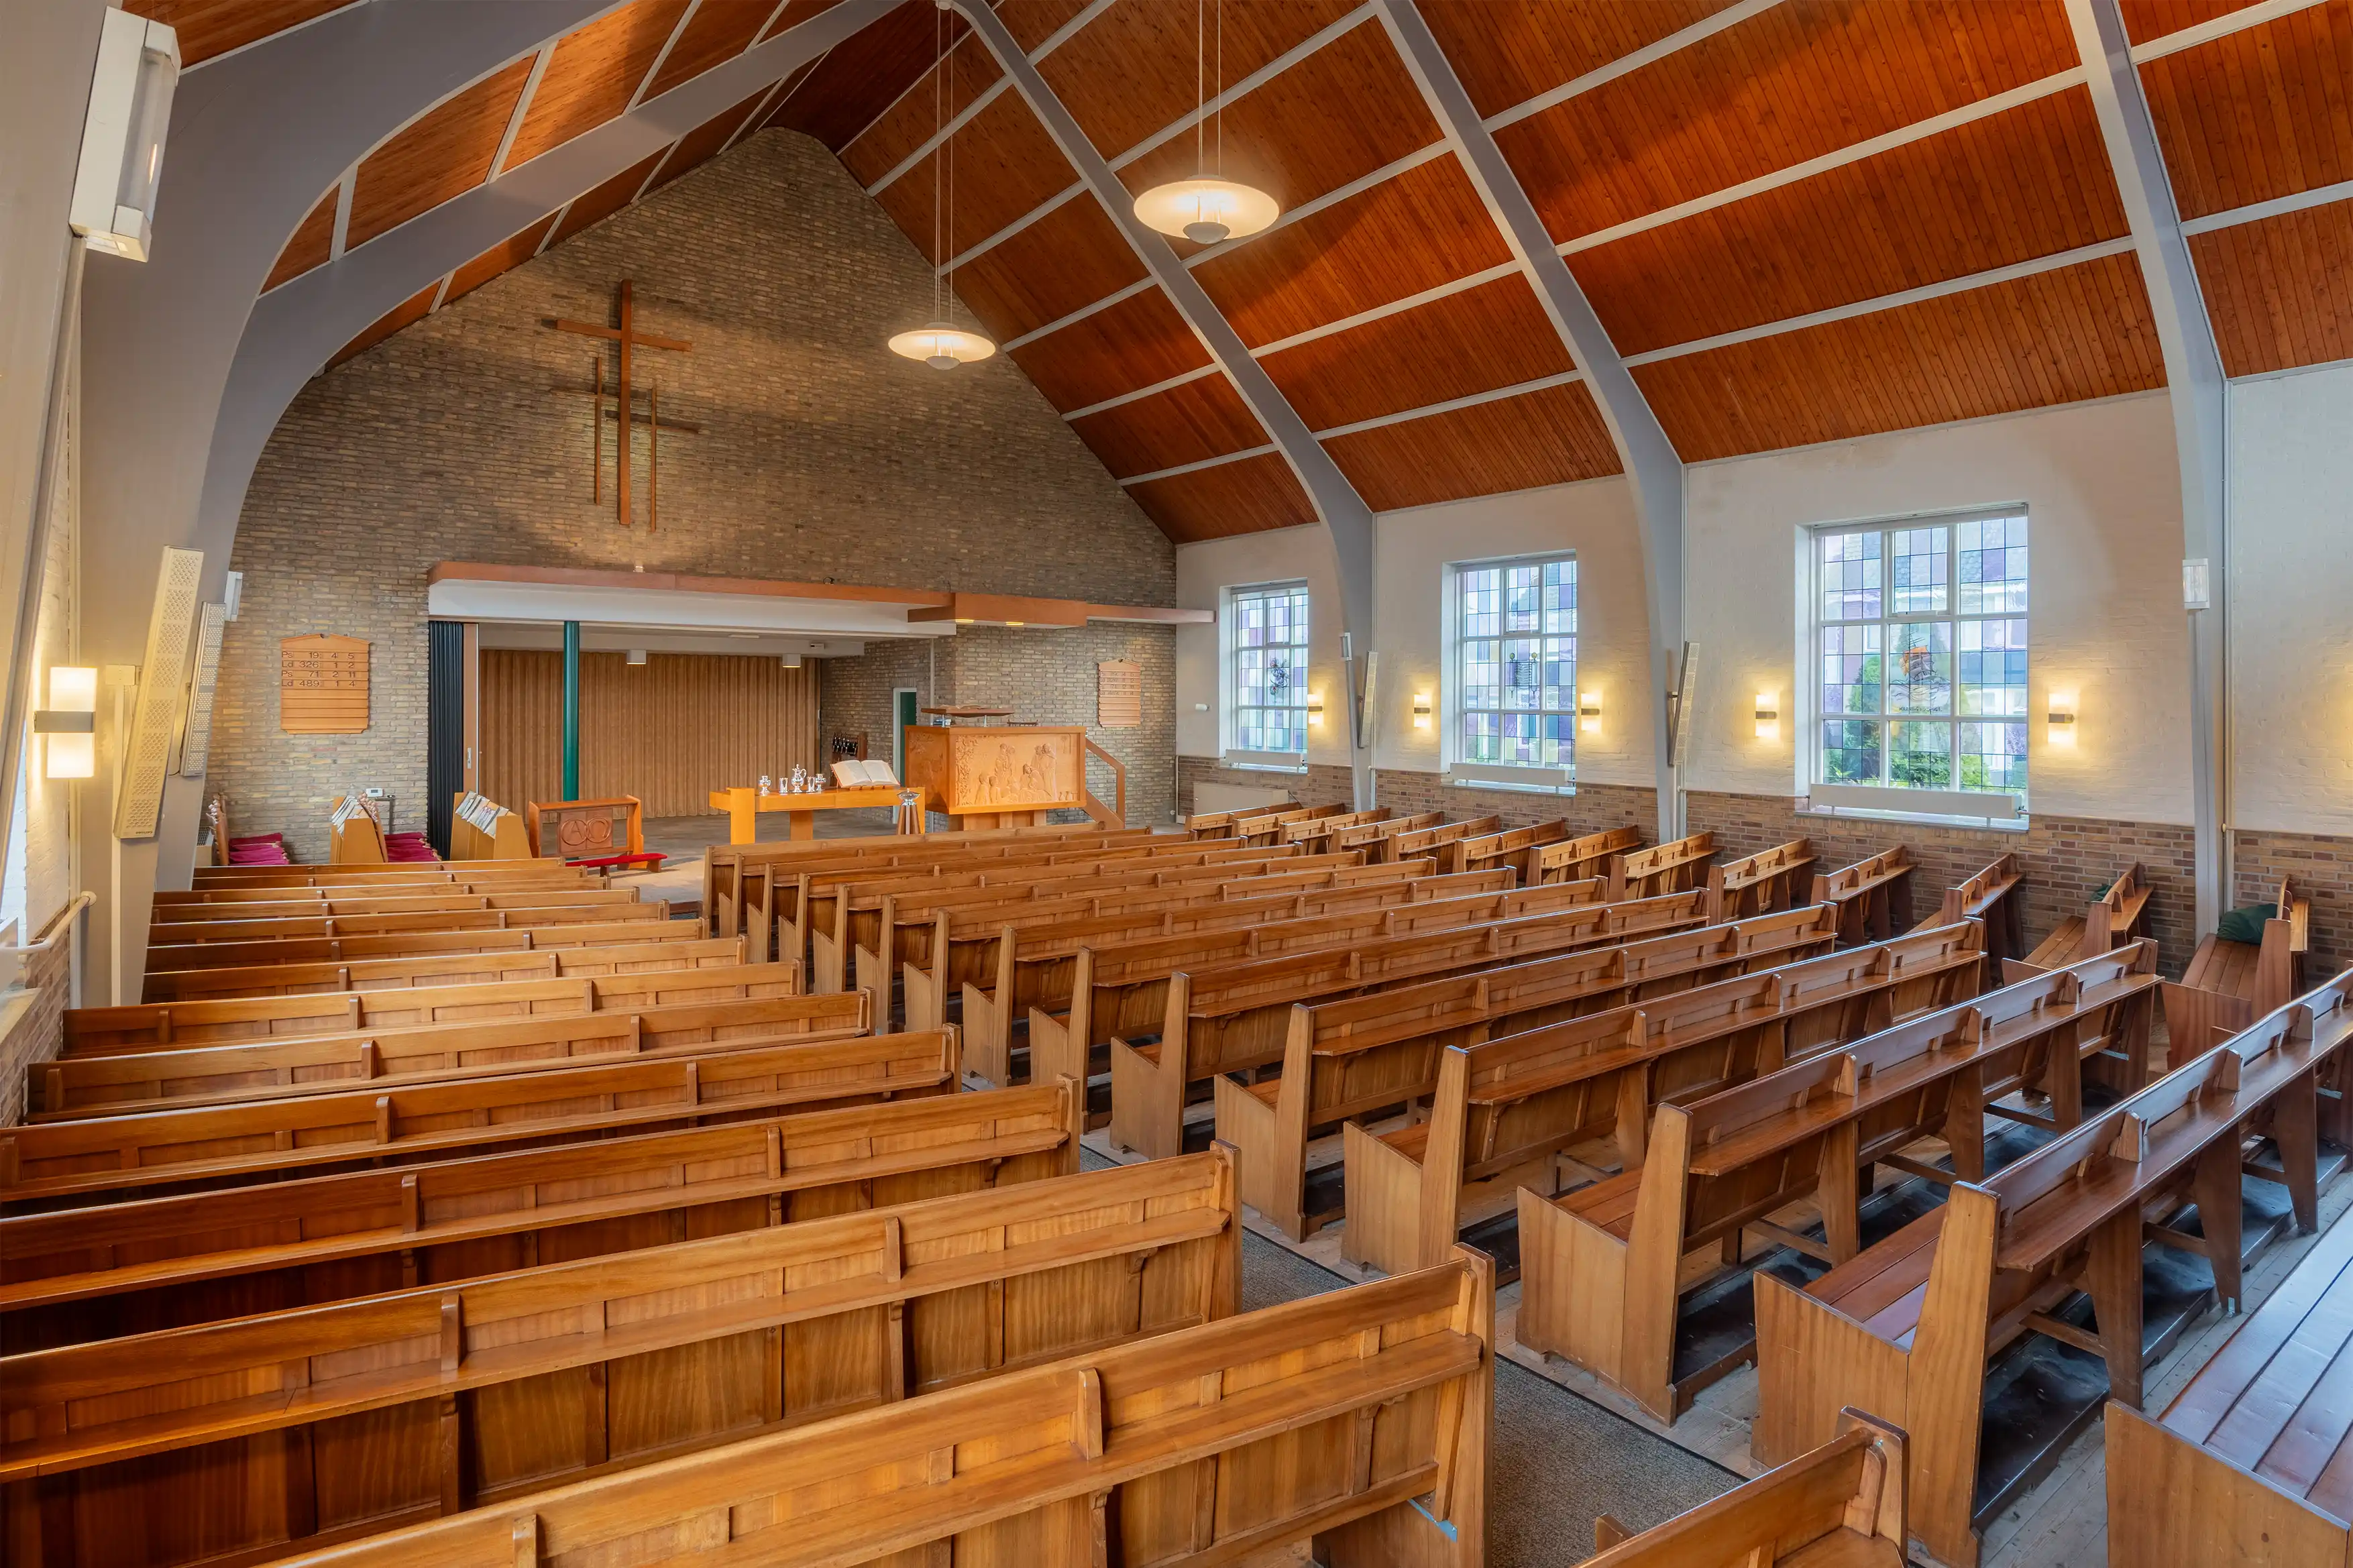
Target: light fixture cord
[
  {"x": 939, "y": 56},
  {"x": 1222, "y": 88},
  {"x": 1200, "y": 98}
]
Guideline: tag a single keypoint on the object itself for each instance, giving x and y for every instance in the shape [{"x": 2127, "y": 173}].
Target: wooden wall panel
[
  {"x": 2257, "y": 113},
  {"x": 861, "y": 75},
  {"x": 2032, "y": 181},
  {"x": 445, "y": 152},
  {"x": 1202, "y": 418},
  {"x": 1137, "y": 342},
  {"x": 210, "y": 27},
  {"x": 2148, "y": 19},
  {"x": 1345, "y": 110},
  {"x": 910, "y": 121},
  {"x": 1066, "y": 261},
  {"x": 497, "y": 259},
  {"x": 1508, "y": 51},
  {"x": 703, "y": 143},
  {"x": 2280, "y": 291},
  {"x": 1787, "y": 85},
  {"x": 1130, "y": 72},
  {"x": 596, "y": 206},
  {"x": 1549, "y": 437},
  {"x": 717, "y": 32},
  {"x": 1476, "y": 341},
  {"x": 595, "y": 71},
  {"x": 2078, "y": 332},
  {"x": 1247, "y": 496},
  {"x": 1425, "y": 228},
  {"x": 416, "y": 308},
  {"x": 308, "y": 246},
  {"x": 1006, "y": 164},
  {"x": 668, "y": 731}
]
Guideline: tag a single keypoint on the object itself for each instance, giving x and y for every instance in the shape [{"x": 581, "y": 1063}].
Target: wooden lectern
[{"x": 999, "y": 775}]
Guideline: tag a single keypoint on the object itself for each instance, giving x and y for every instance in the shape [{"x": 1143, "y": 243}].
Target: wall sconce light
[
  {"x": 1768, "y": 715},
  {"x": 1316, "y": 708},
  {"x": 790, "y": 660},
  {"x": 637, "y": 655},
  {"x": 70, "y": 722},
  {"x": 1588, "y": 712},
  {"x": 1421, "y": 709},
  {"x": 2062, "y": 719}
]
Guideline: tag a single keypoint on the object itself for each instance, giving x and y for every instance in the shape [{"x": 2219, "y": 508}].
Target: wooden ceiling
[{"x": 1799, "y": 222}]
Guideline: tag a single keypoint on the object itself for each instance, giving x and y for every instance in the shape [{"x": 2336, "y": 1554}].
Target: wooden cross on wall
[{"x": 628, "y": 337}]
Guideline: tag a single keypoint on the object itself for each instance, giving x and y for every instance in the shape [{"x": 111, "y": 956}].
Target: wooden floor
[{"x": 2061, "y": 1523}]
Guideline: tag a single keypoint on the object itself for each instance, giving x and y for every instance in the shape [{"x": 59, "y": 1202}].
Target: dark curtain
[{"x": 444, "y": 728}]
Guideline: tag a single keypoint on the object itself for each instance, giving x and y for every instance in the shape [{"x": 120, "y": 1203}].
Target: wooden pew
[
  {"x": 1575, "y": 860},
  {"x": 1516, "y": 848},
  {"x": 1912, "y": 1320},
  {"x": 1770, "y": 879},
  {"x": 1318, "y": 831},
  {"x": 1242, "y": 819},
  {"x": 477, "y": 915},
  {"x": 1353, "y": 1424},
  {"x": 2230, "y": 984},
  {"x": 1234, "y": 1017},
  {"x": 1345, "y": 1061},
  {"x": 1372, "y": 838},
  {"x": 1509, "y": 1108},
  {"x": 2117, "y": 916},
  {"x": 689, "y": 952},
  {"x": 121, "y": 1268},
  {"x": 481, "y": 1392},
  {"x": 219, "y": 1145},
  {"x": 162, "y": 1026},
  {"x": 1996, "y": 896},
  {"x": 1873, "y": 896},
  {"x": 1842, "y": 1503},
  {"x": 171, "y": 919},
  {"x": 1609, "y": 1266},
  {"x": 1669, "y": 867},
  {"x": 134, "y": 1082},
  {"x": 529, "y": 878},
  {"x": 162, "y": 959},
  {"x": 326, "y": 872},
  {"x": 1419, "y": 842},
  {"x": 2248, "y": 1464}
]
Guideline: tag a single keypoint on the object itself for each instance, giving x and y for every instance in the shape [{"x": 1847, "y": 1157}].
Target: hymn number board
[
  {"x": 323, "y": 685},
  {"x": 1119, "y": 694}
]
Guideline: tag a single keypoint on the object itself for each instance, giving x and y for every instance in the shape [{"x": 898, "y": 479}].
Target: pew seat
[
  {"x": 2229, "y": 984},
  {"x": 2118, "y": 915}
]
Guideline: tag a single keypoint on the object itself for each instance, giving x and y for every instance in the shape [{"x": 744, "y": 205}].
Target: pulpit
[{"x": 1000, "y": 775}]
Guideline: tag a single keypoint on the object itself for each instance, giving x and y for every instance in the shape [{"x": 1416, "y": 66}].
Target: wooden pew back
[
  {"x": 1873, "y": 896},
  {"x": 1768, "y": 880},
  {"x": 1842, "y": 1502},
  {"x": 1670, "y": 868},
  {"x": 1575, "y": 860},
  {"x": 512, "y": 938},
  {"x": 544, "y": 962}
]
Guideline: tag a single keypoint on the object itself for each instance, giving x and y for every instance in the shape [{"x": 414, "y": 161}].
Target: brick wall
[
  {"x": 35, "y": 1033},
  {"x": 822, "y": 457},
  {"x": 2321, "y": 868},
  {"x": 1319, "y": 785}
]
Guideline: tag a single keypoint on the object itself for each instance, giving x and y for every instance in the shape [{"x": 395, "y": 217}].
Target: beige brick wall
[
  {"x": 822, "y": 457},
  {"x": 2321, "y": 866},
  {"x": 37, "y": 1032}
]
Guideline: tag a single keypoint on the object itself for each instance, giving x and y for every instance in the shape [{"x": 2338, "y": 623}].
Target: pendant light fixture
[
  {"x": 1207, "y": 207},
  {"x": 940, "y": 343}
]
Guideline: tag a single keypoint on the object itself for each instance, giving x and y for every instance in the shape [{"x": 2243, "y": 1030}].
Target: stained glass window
[
  {"x": 1920, "y": 655},
  {"x": 1515, "y": 662},
  {"x": 1268, "y": 695}
]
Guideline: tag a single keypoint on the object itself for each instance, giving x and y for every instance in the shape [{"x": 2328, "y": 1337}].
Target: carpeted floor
[{"x": 1556, "y": 1461}]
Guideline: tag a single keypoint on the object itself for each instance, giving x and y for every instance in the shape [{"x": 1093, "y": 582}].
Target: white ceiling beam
[
  {"x": 1141, "y": 392},
  {"x": 1653, "y": 468},
  {"x": 1627, "y": 65},
  {"x": 677, "y": 31},
  {"x": 523, "y": 107},
  {"x": 2221, "y": 26},
  {"x": 986, "y": 95},
  {"x": 2196, "y": 387},
  {"x": 1346, "y": 519},
  {"x": 1262, "y": 450},
  {"x": 2277, "y": 206}
]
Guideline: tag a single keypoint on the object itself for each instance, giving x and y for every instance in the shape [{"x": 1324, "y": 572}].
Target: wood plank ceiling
[{"x": 1799, "y": 222}]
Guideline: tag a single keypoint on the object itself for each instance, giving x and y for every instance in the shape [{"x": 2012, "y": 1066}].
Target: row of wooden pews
[{"x": 410, "y": 1258}]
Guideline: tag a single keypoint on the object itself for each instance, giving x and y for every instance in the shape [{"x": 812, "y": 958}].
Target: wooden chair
[
  {"x": 445, "y": 969},
  {"x": 481, "y": 1392},
  {"x": 1353, "y": 1424},
  {"x": 135, "y": 1082},
  {"x": 2117, "y": 916},
  {"x": 1770, "y": 880},
  {"x": 2230, "y": 984},
  {"x": 1873, "y": 896},
  {"x": 1576, "y": 859},
  {"x": 1506, "y": 1111},
  {"x": 1842, "y": 1503},
  {"x": 1996, "y": 896},
  {"x": 2248, "y": 1464},
  {"x": 1345, "y": 1061},
  {"x": 121, "y": 1268},
  {"x": 219, "y": 1145},
  {"x": 1668, "y": 868},
  {"x": 1911, "y": 1321},
  {"x": 1609, "y": 1266}
]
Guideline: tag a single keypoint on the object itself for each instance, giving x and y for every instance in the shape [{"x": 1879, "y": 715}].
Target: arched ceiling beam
[
  {"x": 1652, "y": 466},
  {"x": 1346, "y": 519},
  {"x": 2195, "y": 383}
]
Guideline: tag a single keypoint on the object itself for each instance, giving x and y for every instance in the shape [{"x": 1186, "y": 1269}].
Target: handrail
[{"x": 1119, "y": 785}]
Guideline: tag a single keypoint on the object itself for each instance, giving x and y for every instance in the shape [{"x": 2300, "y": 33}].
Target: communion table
[{"x": 743, "y": 806}]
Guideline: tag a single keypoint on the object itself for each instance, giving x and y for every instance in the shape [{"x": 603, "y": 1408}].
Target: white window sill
[
  {"x": 1241, "y": 767},
  {"x": 1511, "y": 787},
  {"x": 2018, "y": 823}
]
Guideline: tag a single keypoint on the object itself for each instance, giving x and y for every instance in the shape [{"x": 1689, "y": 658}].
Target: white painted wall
[
  {"x": 2105, "y": 619},
  {"x": 1413, "y": 548},
  {"x": 2291, "y": 478}
]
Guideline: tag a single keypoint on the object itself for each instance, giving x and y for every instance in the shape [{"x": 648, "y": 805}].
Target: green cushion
[
  {"x": 2246, "y": 924},
  {"x": 2102, "y": 891}
]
